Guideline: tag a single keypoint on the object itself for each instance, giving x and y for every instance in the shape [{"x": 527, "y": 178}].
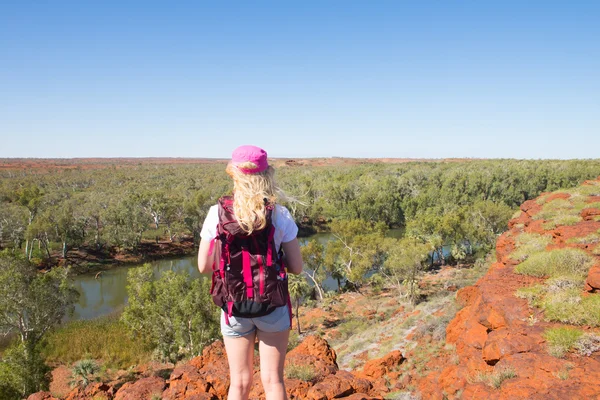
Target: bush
[
  {"x": 588, "y": 344},
  {"x": 174, "y": 314},
  {"x": 556, "y": 263},
  {"x": 84, "y": 372},
  {"x": 561, "y": 340}
]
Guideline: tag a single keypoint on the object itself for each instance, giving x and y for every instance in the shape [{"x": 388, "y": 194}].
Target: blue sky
[{"x": 301, "y": 79}]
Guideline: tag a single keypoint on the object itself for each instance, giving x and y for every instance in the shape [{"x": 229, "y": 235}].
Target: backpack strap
[
  {"x": 247, "y": 272},
  {"x": 271, "y": 244}
]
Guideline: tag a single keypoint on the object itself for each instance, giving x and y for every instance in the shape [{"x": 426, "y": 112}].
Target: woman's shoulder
[{"x": 282, "y": 211}]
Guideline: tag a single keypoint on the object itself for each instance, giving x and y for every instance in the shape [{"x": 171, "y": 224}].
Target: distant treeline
[{"x": 115, "y": 208}]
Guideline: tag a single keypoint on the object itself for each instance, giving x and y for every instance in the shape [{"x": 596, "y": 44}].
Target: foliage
[
  {"x": 465, "y": 202},
  {"x": 31, "y": 303},
  {"x": 358, "y": 249},
  {"x": 404, "y": 263},
  {"x": 314, "y": 267},
  {"x": 561, "y": 340},
  {"x": 22, "y": 371},
  {"x": 174, "y": 315},
  {"x": 104, "y": 339}
]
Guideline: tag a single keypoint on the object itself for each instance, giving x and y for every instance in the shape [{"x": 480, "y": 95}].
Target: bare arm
[
  {"x": 293, "y": 257},
  {"x": 205, "y": 260}
]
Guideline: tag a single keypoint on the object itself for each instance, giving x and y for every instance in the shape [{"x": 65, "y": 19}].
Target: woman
[{"x": 255, "y": 192}]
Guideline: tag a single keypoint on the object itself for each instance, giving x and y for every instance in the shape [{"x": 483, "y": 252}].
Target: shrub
[
  {"x": 588, "y": 344},
  {"x": 556, "y": 263},
  {"x": 303, "y": 372},
  {"x": 561, "y": 340},
  {"x": 528, "y": 244},
  {"x": 84, "y": 372}
]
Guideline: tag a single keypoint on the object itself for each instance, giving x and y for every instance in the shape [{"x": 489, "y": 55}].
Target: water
[{"x": 107, "y": 294}]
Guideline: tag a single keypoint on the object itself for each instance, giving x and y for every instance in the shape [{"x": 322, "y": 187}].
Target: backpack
[{"x": 250, "y": 279}]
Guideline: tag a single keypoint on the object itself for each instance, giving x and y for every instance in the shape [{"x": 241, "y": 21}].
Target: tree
[
  {"x": 30, "y": 304},
  {"x": 299, "y": 288},
  {"x": 312, "y": 255},
  {"x": 174, "y": 315},
  {"x": 30, "y": 197},
  {"x": 404, "y": 263},
  {"x": 357, "y": 248}
]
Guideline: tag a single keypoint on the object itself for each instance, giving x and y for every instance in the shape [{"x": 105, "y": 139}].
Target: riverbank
[{"x": 85, "y": 260}]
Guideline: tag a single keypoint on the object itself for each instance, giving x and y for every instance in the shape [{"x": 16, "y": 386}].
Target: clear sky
[{"x": 518, "y": 79}]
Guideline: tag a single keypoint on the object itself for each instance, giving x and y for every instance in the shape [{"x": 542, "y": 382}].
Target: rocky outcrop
[
  {"x": 207, "y": 378},
  {"x": 496, "y": 331}
]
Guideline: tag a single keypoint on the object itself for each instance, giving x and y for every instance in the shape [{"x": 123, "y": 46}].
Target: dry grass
[{"x": 495, "y": 379}]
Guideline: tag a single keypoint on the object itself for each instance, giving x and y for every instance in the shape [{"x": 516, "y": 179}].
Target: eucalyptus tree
[
  {"x": 357, "y": 248},
  {"x": 31, "y": 303},
  {"x": 314, "y": 265}
]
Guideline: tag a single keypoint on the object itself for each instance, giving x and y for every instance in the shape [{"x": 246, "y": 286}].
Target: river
[{"x": 107, "y": 293}]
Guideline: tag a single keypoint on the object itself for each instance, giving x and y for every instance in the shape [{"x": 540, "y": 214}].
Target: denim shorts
[{"x": 276, "y": 321}]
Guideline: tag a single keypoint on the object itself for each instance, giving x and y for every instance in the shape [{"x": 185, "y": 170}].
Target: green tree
[
  {"x": 357, "y": 248},
  {"x": 173, "y": 314},
  {"x": 30, "y": 304},
  {"x": 404, "y": 263},
  {"x": 30, "y": 197},
  {"x": 314, "y": 268}
]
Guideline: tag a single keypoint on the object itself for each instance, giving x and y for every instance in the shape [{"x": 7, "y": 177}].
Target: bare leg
[
  {"x": 272, "y": 348},
  {"x": 240, "y": 354}
]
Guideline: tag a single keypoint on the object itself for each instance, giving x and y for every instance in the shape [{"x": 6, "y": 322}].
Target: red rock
[
  {"x": 502, "y": 343},
  {"x": 588, "y": 214},
  {"x": 332, "y": 387},
  {"x": 379, "y": 367},
  {"x": 593, "y": 279},
  {"x": 142, "y": 389},
  {"x": 361, "y": 396},
  {"x": 96, "y": 390},
  {"x": 186, "y": 380}
]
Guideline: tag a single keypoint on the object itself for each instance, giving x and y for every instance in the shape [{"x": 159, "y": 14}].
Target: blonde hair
[{"x": 251, "y": 193}]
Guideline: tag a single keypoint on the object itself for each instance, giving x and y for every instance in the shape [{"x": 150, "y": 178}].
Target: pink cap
[{"x": 252, "y": 154}]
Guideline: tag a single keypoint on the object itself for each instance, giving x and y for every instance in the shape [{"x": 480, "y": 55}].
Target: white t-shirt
[{"x": 285, "y": 227}]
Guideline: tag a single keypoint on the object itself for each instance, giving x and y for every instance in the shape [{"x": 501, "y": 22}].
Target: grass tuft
[
  {"x": 528, "y": 244},
  {"x": 561, "y": 340},
  {"x": 302, "y": 372},
  {"x": 495, "y": 379},
  {"x": 556, "y": 263}
]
